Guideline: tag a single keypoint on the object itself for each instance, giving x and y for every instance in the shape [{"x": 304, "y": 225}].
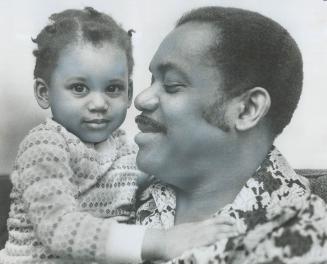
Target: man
[{"x": 225, "y": 83}]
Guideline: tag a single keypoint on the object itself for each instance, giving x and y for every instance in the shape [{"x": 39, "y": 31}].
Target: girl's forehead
[
  {"x": 88, "y": 59},
  {"x": 85, "y": 45},
  {"x": 87, "y": 51}
]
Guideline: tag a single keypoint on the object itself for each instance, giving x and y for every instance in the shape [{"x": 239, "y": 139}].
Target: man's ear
[
  {"x": 130, "y": 92},
  {"x": 41, "y": 93},
  {"x": 254, "y": 104}
]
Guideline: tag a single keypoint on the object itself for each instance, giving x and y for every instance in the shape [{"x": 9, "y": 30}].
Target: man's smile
[{"x": 149, "y": 125}]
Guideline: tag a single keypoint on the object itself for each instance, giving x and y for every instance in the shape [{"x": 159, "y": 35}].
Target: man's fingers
[
  {"x": 226, "y": 235},
  {"x": 225, "y": 229},
  {"x": 222, "y": 219},
  {"x": 225, "y": 219}
]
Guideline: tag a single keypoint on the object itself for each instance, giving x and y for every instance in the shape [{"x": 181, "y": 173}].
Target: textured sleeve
[
  {"x": 49, "y": 191},
  {"x": 301, "y": 238}
]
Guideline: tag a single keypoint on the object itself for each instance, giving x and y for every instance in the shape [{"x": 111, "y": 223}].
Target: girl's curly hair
[{"x": 74, "y": 25}]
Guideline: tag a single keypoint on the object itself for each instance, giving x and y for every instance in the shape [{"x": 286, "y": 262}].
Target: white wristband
[{"x": 124, "y": 243}]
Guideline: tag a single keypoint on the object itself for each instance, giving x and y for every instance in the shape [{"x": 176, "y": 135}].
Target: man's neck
[
  {"x": 220, "y": 185},
  {"x": 200, "y": 206}
]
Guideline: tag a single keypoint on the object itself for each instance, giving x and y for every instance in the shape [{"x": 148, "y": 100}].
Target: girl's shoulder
[{"x": 47, "y": 134}]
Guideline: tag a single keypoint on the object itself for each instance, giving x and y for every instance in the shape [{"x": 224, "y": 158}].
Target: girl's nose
[
  {"x": 147, "y": 100},
  {"x": 98, "y": 103}
]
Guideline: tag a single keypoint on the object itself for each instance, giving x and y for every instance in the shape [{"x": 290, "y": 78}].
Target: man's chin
[
  {"x": 149, "y": 159},
  {"x": 144, "y": 162},
  {"x": 153, "y": 167},
  {"x": 145, "y": 138}
]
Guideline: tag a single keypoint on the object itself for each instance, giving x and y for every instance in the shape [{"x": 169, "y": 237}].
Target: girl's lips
[{"x": 96, "y": 121}]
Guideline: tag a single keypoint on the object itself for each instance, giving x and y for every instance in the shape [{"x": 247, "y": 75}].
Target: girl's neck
[{"x": 107, "y": 147}]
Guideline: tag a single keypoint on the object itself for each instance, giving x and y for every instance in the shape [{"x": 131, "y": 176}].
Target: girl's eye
[
  {"x": 79, "y": 89},
  {"x": 114, "y": 90}
]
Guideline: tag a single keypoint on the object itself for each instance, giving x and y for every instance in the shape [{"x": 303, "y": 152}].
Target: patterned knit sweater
[{"x": 65, "y": 196}]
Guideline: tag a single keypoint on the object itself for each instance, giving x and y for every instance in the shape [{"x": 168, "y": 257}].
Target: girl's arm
[{"x": 49, "y": 190}]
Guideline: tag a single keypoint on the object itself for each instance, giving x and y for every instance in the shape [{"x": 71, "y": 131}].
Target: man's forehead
[{"x": 185, "y": 44}]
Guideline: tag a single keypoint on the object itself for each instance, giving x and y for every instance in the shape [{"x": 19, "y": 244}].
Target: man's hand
[{"x": 168, "y": 244}]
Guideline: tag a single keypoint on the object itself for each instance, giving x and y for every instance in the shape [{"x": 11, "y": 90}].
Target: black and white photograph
[{"x": 163, "y": 131}]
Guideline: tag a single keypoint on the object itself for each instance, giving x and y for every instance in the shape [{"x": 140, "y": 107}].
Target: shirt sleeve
[
  {"x": 301, "y": 238},
  {"x": 49, "y": 191}
]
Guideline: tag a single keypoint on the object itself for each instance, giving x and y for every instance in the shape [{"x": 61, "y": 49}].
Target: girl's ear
[
  {"x": 130, "y": 92},
  {"x": 254, "y": 105},
  {"x": 41, "y": 93}
]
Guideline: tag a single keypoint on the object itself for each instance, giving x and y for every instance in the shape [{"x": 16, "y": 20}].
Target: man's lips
[{"x": 149, "y": 125}]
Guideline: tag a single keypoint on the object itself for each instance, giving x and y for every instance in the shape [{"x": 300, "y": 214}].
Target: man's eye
[
  {"x": 114, "y": 89},
  {"x": 79, "y": 89},
  {"x": 173, "y": 87}
]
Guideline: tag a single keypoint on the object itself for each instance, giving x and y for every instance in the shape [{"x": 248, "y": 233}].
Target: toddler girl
[{"x": 75, "y": 178}]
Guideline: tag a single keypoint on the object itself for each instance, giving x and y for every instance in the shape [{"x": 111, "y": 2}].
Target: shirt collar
[{"x": 273, "y": 187}]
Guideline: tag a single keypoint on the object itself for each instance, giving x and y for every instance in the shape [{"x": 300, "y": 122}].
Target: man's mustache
[{"x": 150, "y": 123}]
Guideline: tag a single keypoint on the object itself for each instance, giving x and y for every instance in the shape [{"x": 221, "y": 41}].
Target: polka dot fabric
[{"x": 66, "y": 195}]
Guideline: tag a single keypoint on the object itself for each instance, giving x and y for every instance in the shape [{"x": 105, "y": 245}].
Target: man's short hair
[{"x": 252, "y": 50}]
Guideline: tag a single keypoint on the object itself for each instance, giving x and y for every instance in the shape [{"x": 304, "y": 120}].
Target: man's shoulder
[
  {"x": 301, "y": 238},
  {"x": 317, "y": 180}
]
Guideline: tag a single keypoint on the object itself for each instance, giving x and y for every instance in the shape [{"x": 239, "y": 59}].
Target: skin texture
[
  {"x": 206, "y": 162},
  {"x": 88, "y": 91},
  {"x": 178, "y": 98}
]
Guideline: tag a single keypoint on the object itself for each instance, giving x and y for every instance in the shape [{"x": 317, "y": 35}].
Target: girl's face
[{"x": 89, "y": 90}]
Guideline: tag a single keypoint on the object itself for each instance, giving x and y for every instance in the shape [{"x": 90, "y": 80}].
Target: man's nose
[
  {"x": 147, "y": 100},
  {"x": 98, "y": 103}
]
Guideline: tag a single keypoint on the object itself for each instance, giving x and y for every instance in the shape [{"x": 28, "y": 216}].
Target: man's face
[{"x": 176, "y": 140}]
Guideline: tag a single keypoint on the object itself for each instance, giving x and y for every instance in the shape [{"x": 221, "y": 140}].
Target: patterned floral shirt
[{"x": 280, "y": 220}]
